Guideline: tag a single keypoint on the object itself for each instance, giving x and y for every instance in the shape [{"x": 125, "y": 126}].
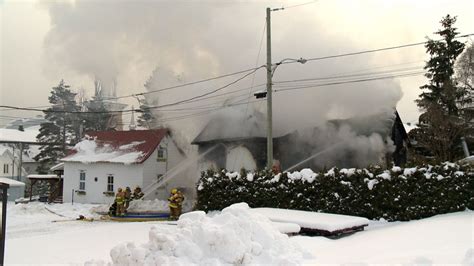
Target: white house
[
  {"x": 9, "y": 167},
  {"x": 107, "y": 160}
]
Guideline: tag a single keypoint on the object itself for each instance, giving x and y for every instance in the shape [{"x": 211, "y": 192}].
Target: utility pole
[{"x": 269, "y": 95}]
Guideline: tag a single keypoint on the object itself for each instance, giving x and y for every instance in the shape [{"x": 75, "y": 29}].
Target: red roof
[{"x": 144, "y": 141}]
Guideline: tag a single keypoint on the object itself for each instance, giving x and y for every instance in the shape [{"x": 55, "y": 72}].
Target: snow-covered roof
[
  {"x": 11, "y": 182},
  {"x": 4, "y": 149},
  {"x": 42, "y": 176},
  {"x": 59, "y": 166},
  {"x": 124, "y": 147},
  {"x": 15, "y": 135}
]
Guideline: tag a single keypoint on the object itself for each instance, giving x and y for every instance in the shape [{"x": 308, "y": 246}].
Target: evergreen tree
[
  {"x": 97, "y": 117},
  {"x": 465, "y": 77},
  {"x": 62, "y": 128},
  {"x": 146, "y": 118},
  {"x": 440, "y": 126}
]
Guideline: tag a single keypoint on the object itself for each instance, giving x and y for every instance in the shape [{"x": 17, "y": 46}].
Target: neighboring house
[
  {"x": 246, "y": 148},
  {"x": 107, "y": 160},
  {"x": 9, "y": 167},
  {"x": 16, "y": 189}
]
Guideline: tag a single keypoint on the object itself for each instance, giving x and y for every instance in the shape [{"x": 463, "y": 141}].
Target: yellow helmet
[{"x": 174, "y": 191}]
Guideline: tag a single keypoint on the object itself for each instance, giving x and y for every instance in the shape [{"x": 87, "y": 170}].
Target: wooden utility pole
[{"x": 269, "y": 94}]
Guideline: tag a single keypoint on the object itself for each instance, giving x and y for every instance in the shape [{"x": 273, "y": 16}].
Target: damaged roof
[{"x": 229, "y": 128}]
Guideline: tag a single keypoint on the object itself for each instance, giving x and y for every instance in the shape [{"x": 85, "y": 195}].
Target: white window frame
[
  {"x": 164, "y": 153},
  {"x": 110, "y": 185},
  {"x": 5, "y": 168},
  {"x": 82, "y": 180}
]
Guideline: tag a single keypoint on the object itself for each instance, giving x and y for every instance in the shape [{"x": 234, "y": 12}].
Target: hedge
[{"x": 395, "y": 194}]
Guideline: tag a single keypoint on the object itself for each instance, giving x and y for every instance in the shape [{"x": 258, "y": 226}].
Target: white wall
[
  {"x": 240, "y": 157},
  {"x": 153, "y": 168},
  {"x": 7, "y": 158},
  {"x": 124, "y": 175}
]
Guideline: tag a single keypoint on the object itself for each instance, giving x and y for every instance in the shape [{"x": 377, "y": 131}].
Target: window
[
  {"x": 110, "y": 183},
  {"x": 82, "y": 180},
  {"x": 5, "y": 168},
  {"x": 161, "y": 154}
]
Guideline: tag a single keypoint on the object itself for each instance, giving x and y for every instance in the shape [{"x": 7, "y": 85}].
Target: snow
[
  {"x": 233, "y": 175},
  {"x": 440, "y": 240},
  {"x": 14, "y": 135},
  {"x": 32, "y": 238},
  {"x": 11, "y": 182},
  {"x": 385, "y": 175},
  {"x": 306, "y": 175},
  {"x": 313, "y": 220},
  {"x": 371, "y": 183},
  {"x": 396, "y": 169},
  {"x": 131, "y": 145},
  {"x": 348, "y": 172},
  {"x": 250, "y": 177},
  {"x": 287, "y": 228},
  {"x": 87, "y": 151},
  {"x": 41, "y": 176},
  {"x": 235, "y": 236},
  {"x": 409, "y": 171}
]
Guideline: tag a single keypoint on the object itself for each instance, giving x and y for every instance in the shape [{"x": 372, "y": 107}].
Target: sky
[{"x": 43, "y": 42}]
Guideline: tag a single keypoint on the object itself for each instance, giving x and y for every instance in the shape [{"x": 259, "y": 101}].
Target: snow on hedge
[
  {"x": 235, "y": 236},
  {"x": 393, "y": 194}
]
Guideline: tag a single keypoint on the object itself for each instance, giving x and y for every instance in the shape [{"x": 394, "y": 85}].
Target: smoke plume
[{"x": 126, "y": 41}]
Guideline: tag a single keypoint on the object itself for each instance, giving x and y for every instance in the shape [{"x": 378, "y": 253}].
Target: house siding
[
  {"x": 124, "y": 175},
  {"x": 153, "y": 168}
]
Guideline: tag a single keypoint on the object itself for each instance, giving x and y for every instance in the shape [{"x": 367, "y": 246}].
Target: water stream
[
  {"x": 332, "y": 147},
  {"x": 175, "y": 171}
]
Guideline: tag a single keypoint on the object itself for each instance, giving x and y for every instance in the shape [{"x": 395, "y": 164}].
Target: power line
[
  {"x": 131, "y": 110},
  {"x": 373, "y": 50},
  {"x": 298, "y": 5},
  {"x": 351, "y": 81},
  {"x": 335, "y": 77},
  {"x": 184, "y": 85}
]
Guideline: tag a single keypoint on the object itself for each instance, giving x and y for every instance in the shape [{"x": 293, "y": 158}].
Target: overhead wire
[
  {"x": 350, "y": 81},
  {"x": 372, "y": 50}
]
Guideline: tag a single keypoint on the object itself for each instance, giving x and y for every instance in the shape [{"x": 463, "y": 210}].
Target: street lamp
[{"x": 268, "y": 94}]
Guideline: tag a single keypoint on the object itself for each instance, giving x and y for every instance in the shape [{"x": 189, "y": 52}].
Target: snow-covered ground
[{"x": 43, "y": 234}]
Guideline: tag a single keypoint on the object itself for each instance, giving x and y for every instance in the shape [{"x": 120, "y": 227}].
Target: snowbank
[{"x": 235, "y": 236}]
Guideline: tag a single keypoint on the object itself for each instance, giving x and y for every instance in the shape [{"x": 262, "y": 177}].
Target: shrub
[{"x": 395, "y": 194}]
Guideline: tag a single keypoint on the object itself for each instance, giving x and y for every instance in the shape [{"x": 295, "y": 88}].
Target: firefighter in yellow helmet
[
  {"x": 175, "y": 203},
  {"x": 120, "y": 200}
]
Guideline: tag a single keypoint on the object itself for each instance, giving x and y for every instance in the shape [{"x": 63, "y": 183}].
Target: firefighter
[
  {"x": 276, "y": 167},
  {"x": 175, "y": 203},
  {"x": 137, "y": 193},
  {"x": 128, "y": 198},
  {"x": 113, "y": 209},
  {"x": 120, "y": 200}
]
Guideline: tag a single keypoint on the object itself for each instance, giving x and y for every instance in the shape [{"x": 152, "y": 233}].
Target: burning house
[{"x": 354, "y": 142}]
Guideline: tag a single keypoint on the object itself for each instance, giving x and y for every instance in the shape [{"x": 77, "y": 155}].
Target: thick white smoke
[{"x": 125, "y": 41}]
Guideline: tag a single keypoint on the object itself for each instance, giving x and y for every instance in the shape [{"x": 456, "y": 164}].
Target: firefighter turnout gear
[
  {"x": 128, "y": 198},
  {"x": 175, "y": 203},
  {"x": 120, "y": 201},
  {"x": 137, "y": 193}
]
